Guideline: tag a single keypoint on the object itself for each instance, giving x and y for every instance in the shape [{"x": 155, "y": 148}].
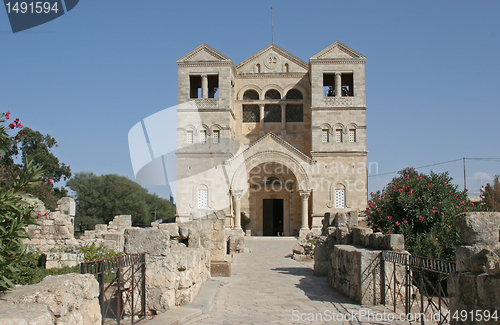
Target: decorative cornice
[
  {"x": 204, "y": 64},
  {"x": 338, "y": 108},
  {"x": 270, "y": 75},
  {"x": 337, "y": 61},
  {"x": 338, "y": 153}
]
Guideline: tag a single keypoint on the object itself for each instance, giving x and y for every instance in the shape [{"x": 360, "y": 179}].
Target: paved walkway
[{"x": 268, "y": 287}]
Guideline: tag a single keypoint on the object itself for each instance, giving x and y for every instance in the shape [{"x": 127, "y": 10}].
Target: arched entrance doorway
[{"x": 272, "y": 189}]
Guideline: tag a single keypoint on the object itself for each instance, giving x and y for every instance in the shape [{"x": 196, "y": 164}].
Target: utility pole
[{"x": 465, "y": 182}]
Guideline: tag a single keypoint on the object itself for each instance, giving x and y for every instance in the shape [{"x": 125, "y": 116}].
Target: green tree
[
  {"x": 106, "y": 196},
  {"x": 491, "y": 195},
  {"x": 35, "y": 147},
  {"x": 15, "y": 214},
  {"x": 423, "y": 209}
]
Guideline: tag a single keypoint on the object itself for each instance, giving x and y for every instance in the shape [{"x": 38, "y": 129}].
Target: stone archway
[{"x": 239, "y": 181}]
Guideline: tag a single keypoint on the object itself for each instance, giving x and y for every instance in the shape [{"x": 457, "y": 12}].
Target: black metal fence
[
  {"x": 418, "y": 283},
  {"x": 122, "y": 286}
]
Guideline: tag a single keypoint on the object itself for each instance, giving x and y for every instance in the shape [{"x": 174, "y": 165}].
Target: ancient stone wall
[
  {"x": 52, "y": 228},
  {"x": 64, "y": 300},
  {"x": 475, "y": 287},
  {"x": 110, "y": 235},
  {"x": 350, "y": 256},
  {"x": 179, "y": 257}
]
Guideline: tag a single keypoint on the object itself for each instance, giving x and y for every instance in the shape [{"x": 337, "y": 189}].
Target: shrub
[{"x": 423, "y": 209}]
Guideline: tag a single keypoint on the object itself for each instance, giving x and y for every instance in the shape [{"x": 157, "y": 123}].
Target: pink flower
[
  {"x": 462, "y": 202},
  {"x": 19, "y": 125},
  {"x": 367, "y": 209},
  {"x": 472, "y": 203},
  {"x": 430, "y": 184},
  {"x": 389, "y": 217},
  {"x": 406, "y": 221},
  {"x": 456, "y": 207},
  {"x": 421, "y": 178},
  {"x": 421, "y": 218},
  {"x": 445, "y": 182},
  {"x": 442, "y": 212},
  {"x": 411, "y": 192},
  {"x": 396, "y": 223},
  {"x": 51, "y": 180},
  {"x": 440, "y": 202},
  {"x": 378, "y": 210},
  {"x": 46, "y": 213},
  {"x": 400, "y": 190}
]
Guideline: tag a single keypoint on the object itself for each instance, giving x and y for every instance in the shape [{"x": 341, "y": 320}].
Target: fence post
[
  {"x": 143, "y": 259},
  {"x": 100, "y": 279},
  {"x": 382, "y": 280}
]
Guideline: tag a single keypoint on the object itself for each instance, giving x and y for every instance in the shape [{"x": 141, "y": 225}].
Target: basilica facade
[{"x": 278, "y": 139}]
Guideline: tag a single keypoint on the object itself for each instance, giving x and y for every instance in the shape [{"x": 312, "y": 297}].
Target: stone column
[
  {"x": 237, "y": 210},
  {"x": 338, "y": 85},
  {"x": 204, "y": 86},
  {"x": 305, "y": 218},
  {"x": 262, "y": 127},
  {"x": 283, "y": 119}
]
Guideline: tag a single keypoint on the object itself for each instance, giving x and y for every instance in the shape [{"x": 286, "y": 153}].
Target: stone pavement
[{"x": 268, "y": 287}]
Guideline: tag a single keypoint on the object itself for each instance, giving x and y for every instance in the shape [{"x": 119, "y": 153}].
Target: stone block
[
  {"x": 328, "y": 220},
  {"x": 463, "y": 256},
  {"x": 486, "y": 261},
  {"x": 150, "y": 241},
  {"x": 479, "y": 228},
  {"x": 352, "y": 219},
  {"x": 394, "y": 242},
  {"x": 340, "y": 220},
  {"x": 100, "y": 227},
  {"x": 172, "y": 228},
  {"x": 343, "y": 236},
  {"x": 220, "y": 268},
  {"x": 376, "y": 240},
  {"x": 358, "y": 235}
]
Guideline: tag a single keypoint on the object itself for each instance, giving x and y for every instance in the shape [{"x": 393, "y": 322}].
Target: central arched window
[
  {"x": 272, "y": 94},
  {"x": 250, "y": 95},
  {"x": 273, "y": 180}
]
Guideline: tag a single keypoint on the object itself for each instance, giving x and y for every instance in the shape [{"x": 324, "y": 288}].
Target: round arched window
[
  {"x": 294, "y": 94},
  {"x": 251, "y": 94},
  {"x": 273, "y": 94}
]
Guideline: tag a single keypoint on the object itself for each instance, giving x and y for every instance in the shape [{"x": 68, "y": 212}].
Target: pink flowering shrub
[{"x": 422, "y": 208}]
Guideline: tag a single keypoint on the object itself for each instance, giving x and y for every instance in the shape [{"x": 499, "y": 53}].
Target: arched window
[
  {"x": 339, "y": 196},
  {"x": 286, "y": 68},
  {"x": 273, "y": 180},
  {"x": 251, "y": 113},
  {"x": 250, "y": 95},
  {"x": 273, "y": 94},
  {"x": 202, "y": 197},
  {"x": 294, "y": 94},
  {"x": 257, "y": 68}
]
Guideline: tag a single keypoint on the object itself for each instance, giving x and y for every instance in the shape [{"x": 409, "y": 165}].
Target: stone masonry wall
[
  {"x": 349, "y": 256},
  {"x": 178, "y": 258},
  {"x": 52, "y": 228},
  {"x": 70, "y": 299},
  {"x": 475, "y": 287}
]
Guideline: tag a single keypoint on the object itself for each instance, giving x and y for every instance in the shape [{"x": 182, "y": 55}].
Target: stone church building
[{"x": 274, "y": 137}]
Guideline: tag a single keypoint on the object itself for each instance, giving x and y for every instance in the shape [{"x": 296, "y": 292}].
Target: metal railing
[
  {"x": 419, "y": 283},
  {"x": 122, "y": 286}
]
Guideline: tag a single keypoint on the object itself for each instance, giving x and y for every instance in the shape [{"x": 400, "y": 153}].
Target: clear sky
[{"x": 432, "y": 70}]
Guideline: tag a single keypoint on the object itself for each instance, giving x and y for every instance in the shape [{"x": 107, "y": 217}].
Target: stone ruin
[
  {"x": 346, "y": 253},
  {"x": 476, "y": 284},
  {"x": 63, "y": 299},
  {"x": 180, "y": 257},
  {"x": 52, "y": 228},
  {"x": 110, "y": 235}
]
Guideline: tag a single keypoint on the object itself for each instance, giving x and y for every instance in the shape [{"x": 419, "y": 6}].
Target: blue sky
[{"x": 432, "y": 70}]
